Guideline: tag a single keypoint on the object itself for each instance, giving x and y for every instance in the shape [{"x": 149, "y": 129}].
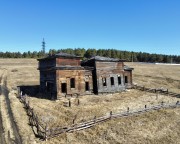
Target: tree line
[{"x": 87, "y": 53}]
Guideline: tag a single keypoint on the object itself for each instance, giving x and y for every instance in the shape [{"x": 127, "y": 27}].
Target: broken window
[
  {"x": 126, "y": 79},
  {"x": 87, "y": 86},
  {"x": 72, "y": 82},
  {"x": 112, "y": 81},
  {"x": 119, "y": 80},
  {"x": 104, "y": 81}
]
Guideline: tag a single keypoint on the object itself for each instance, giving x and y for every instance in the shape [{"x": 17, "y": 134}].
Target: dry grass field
[
  {"x": 161, "y": 126},
  {"x": 151, "y": 75}
]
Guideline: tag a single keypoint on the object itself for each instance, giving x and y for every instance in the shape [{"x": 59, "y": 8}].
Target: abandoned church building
[{"x": 64, "y": 74}]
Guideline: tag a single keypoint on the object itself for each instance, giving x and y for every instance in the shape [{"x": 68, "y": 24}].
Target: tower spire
[{"x": 43, "y": 46}]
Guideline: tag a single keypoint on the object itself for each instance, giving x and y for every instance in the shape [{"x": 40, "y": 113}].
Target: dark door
[
  {"x": 87, "y": 86},
  {"x": 64, "y": 88}
]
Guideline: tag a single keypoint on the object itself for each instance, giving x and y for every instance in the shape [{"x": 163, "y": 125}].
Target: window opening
[
  {"x": 104, "y": 81},
  {"x": 126, "y": 79},
  {"x": 119, "y": 80},
  {"x": 112, "y": 81},
  {"x": 72, "y": 81},
  {"x": 87, "y": 86}
]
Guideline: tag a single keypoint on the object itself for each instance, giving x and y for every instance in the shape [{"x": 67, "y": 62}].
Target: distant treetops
[{"x": 113, "y": 53}]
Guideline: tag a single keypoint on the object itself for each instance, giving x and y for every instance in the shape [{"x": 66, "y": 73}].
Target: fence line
[
  {"x": 81, "y": 126},
  {"x": 158, "y": 90},
  {"x": 33, "y": 118},
  {"x": 45, "y": 133}
]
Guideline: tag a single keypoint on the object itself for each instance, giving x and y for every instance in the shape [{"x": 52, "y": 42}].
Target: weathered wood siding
[
  {"x": 129, "y": 76},
  {"x": 48, "y": 63},
  {"x": 81, "y": 77},
  {"x": 108, "y": 71},
  {"x": 48, "y": 83},
  {"x": 67, "y": 61}
]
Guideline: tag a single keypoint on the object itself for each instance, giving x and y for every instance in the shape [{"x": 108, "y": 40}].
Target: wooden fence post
[
  {"x": 28, "y": 105},
  {"x": 69, "y": 103},
  {"x": 30, "y": 116},
  {"x": 128, "y": 109},
  {"x": 162, "y": 103},
  {"x": 110, "y": 114},
  {"x": 33, "y": 118},
  {"x": 46, "y": 133},
  {"x": 167, "y": 92},
  {"x": 145, "y": 107},
  {"x": 78, "y": 102},
  {"x": 37, "y": 124},
  {"x": 177, "y": 103},
  {"x": 94, "y": 119},
  {"x": 9, "y": 138}
]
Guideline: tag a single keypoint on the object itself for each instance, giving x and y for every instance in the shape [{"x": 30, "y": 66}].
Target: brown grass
[
  {"x": 151, "y": 75},
  {"x": 154, "y": 127}
]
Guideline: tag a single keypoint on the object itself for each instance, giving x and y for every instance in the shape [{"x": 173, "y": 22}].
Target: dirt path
[
  {"x": 4, "y": 92},
  {"x": 2, "y": 138}
]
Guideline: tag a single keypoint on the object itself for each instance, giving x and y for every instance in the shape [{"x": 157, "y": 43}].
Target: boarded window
[
  {"x": 112, "y": 81},
  {"x": 87, "y": 86},
  {"x": 126, "y": 79},
  {"x": 63, "y": 87},
  {"x": 72, "y": 82},
  {"x": 119, "y": 80},
  {"x": 104, "y": 81}
]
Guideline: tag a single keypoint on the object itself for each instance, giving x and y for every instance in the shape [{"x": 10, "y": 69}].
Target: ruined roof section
[
  {"x": 127, "y": 68},
  {"x": 61, "y": 54},
  {"x": 100, "y": 58},
  {"x": 68, "y": 68}
]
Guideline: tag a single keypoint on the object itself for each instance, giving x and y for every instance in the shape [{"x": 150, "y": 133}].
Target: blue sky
[{"x": 134, "y": 25}]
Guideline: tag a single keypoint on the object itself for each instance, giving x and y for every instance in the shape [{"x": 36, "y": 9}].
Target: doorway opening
[
  {"x": 87, "y": 86},
  {"x": 63, "y": 87}
]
